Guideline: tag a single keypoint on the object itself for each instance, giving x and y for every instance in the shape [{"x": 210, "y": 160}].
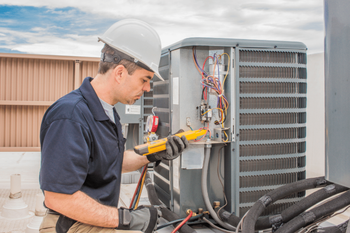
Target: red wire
[
  {"x": 205, "y": 61},
  {"x": 183, "y": 222},
  {"x": 138, "y": 184}
]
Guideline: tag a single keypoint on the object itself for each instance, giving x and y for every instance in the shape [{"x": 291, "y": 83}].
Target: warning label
[{"x": 133, "y": 109}]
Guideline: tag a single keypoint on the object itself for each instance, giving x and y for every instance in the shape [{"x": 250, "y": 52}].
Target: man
[{"x": 82, "y": 144}]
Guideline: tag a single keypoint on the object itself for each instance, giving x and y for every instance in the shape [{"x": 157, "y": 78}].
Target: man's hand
[
  {"x": 174, "y": 147},
  {"x": 144, "y": 219}
]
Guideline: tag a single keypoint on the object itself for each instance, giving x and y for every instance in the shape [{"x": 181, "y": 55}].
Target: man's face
[{"x": 135, "y": 85}]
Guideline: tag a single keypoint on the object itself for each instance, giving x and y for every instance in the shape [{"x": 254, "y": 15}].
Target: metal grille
[
  {"x": 271, "y": 72},
  {"x": 302, "y": 58},
  {"x": 272, "y": 102},
  {"x": 271, "y": 164},
  {"x": 147, "y": 111},
  {"x": 271, "y": 134},
  {"x": 270, "y": 179},
  {"x": 272, "y": 87},
  {"x": 150, "y": 93},
  {"x": 271, "y": 149},
  {"x": 253, "y": 196},
  {"x": 272, "y": 118},
  {"x": 148, "y": 101},
  {"x": 267, "y": 56},
  {"x": 258, "y": 95}
]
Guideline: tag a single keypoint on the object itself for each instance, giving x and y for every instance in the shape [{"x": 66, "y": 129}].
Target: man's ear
[{"x": 119, "y": 73}]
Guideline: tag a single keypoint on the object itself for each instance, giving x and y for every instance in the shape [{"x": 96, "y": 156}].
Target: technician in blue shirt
[{"x": 82, "y": 145}]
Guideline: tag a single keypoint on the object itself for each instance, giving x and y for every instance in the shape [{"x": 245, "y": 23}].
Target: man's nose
[{"x": 147, "y": 87}]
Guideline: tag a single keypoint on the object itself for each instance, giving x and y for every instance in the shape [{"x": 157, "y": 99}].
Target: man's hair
[{"x": 106, "y": 66}]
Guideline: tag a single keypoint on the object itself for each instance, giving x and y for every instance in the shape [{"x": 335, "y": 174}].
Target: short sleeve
[{"x": 65, "y": 157}]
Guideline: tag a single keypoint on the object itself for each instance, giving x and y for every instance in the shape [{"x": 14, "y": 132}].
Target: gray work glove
[
  {"x": 143, "y": 219},
  {"x": 174, "y": 147}
]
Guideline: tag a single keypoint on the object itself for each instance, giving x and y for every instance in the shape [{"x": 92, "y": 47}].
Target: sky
[{"x": 70, "y": 27}]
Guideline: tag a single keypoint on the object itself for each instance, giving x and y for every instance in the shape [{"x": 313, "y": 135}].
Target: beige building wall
[{"x": 29, "y": 84}]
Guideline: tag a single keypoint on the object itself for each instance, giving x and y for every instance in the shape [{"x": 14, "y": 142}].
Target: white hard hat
[{"x": 136, "y": 39}]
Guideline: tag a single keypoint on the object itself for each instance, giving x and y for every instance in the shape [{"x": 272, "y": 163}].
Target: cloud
[
  {"x": 291, "y": 20},
  {"x": 39, "y": 42}
]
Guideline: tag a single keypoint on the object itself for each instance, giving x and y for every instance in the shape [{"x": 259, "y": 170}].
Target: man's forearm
[
  {"x": 81, "y": 207},
  {"x": 133, "y": 161}
]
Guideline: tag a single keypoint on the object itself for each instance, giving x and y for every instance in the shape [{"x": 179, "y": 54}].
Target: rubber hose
[
  {"x": 166, "y": 213},
  {"x": 279, "y": 193},
  {"x": 316, "y": 213},
  {"x": 228, "y": 217},
  {"x": 204, "y": 182},
  {"x": 287, "y": 214},
  {"x": 341, "y": 228},
  {"x": 299, "y": 207}
]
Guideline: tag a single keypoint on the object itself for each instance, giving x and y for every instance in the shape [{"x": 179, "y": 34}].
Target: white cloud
[
  {"x": 40, "y": 43},
  {"x": 59, "y": 46},
  {"x": 290, "y": 20}
]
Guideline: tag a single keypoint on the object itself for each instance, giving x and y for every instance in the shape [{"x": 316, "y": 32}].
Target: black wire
[{"x": 204, "y": 88}]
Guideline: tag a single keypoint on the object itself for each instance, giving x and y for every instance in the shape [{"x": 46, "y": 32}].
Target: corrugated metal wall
[{"x": 29, "y": 84}]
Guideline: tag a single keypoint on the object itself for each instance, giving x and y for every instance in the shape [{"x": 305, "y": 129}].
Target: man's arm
[
  {"x": 133, "y": 161},
  {"x": 81, "y": 207},
  {"x": 174, "y": 147}
]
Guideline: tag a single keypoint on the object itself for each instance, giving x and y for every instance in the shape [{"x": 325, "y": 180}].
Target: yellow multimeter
[{"x": 159, "y": 145}]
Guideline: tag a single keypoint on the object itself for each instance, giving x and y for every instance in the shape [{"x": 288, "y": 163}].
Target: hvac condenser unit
[{"x": 251, "y": 94}]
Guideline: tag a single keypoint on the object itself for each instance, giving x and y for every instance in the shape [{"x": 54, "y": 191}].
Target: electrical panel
[{"x": 251, "y": 95}]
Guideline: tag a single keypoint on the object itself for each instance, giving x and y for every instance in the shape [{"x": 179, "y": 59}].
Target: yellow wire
[
  {"x": 223, "y": 83},
  {"x": 212, "y": 110},
  {"x": 226, "y": 137},
  {"x": 228, "y": 67}
]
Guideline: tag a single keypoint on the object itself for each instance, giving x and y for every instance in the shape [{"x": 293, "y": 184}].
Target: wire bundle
[
  {"x": 137, "y": 194},
  {"x": 212, "y": 82},
  {"x": 208, "y": 131}
]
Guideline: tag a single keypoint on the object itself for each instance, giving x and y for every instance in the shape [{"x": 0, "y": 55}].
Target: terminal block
[{"x": 204, "y": 112}]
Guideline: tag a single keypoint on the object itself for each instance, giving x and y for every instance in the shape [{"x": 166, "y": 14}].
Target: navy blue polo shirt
[{"x": 81, "y": 148}]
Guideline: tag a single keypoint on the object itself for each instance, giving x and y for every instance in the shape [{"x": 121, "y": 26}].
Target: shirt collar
[
  {"x": 93, "y": 101},
  {"x": 108, "y": 109}
]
